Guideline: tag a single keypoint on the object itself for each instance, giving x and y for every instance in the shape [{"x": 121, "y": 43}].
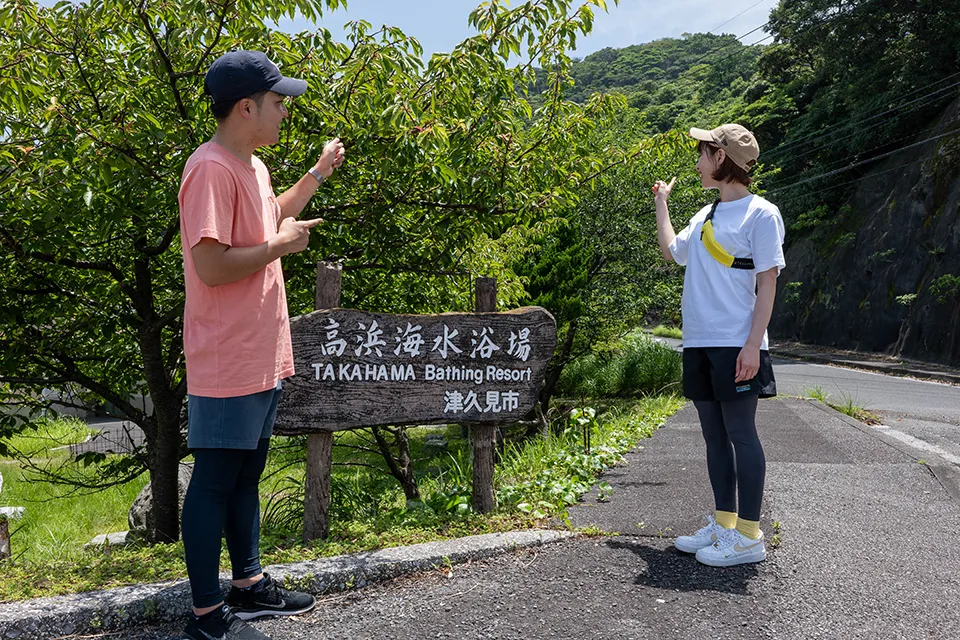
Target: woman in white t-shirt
[{"x": 733, "y": 253}]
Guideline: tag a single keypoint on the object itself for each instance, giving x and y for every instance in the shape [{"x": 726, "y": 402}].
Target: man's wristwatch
[{"x": 316, "y": 174}]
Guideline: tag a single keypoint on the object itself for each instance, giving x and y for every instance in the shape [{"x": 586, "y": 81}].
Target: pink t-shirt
[{"x": 236, "y": 336}]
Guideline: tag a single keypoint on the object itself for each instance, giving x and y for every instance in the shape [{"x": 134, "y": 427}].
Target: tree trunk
[
  {"x": 556, "y": 368},
  {"x": 401, "y": 466},
  {"x": 162, "y": 431},
  {"x": 163, "y": 523}
]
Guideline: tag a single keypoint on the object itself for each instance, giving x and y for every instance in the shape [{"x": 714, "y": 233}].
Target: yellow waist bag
[{"x": 714, "y": 249}]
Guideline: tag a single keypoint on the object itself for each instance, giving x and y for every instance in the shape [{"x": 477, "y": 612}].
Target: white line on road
[
  {"x": 917, "y": 443},
  {"x": 876, "y": 373}
]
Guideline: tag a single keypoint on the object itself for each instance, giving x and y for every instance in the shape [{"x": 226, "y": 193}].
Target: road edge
[{"x": 98, "y": 612}]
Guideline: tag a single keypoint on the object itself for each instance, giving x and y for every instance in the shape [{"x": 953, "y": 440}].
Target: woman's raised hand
[{"x": 661, "y": 190}]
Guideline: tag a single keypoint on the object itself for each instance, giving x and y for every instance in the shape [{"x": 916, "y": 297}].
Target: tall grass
[
  {"x": 668, "y": 332},
  {"x": 636, "y": 366},
  {"x": 543, "y": 477},
  {"x": 847, "y": 405}
]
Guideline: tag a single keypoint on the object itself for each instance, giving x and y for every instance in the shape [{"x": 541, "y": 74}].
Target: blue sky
[{"x": 440, "y": 24}]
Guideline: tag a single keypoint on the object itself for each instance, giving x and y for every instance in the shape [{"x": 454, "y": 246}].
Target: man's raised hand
[
  {"x": 331, "y": 157},
  {"x": 294, "y": 235}
]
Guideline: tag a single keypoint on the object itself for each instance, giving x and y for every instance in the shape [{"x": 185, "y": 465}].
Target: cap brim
[
  {"x": 701, "y": 134},
  {"x": 289, "y": 87}
]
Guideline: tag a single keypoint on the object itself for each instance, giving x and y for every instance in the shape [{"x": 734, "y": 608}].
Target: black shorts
[{"x": 709, "y": 374}]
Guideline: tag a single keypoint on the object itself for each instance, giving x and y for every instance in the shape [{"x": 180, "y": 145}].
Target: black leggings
[
  {"x": 222, "y": 500},
  {"x": 730, "y": 427}
]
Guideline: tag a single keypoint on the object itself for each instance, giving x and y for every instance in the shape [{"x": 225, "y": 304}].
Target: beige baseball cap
[{"x": 736, "y": 141}]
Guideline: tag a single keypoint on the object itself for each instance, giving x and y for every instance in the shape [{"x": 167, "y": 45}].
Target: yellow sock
[
  {"x": 749, "y": 528},
  {"x": 726, "y": 519}
]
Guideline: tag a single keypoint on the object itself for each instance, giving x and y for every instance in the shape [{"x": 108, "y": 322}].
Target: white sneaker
[
  {"x": 702, "y": 538},
  {"x": 732, "y": 548}
]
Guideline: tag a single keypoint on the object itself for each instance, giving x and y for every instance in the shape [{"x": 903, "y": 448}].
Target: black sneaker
[
  {"x": 221, "y": 624},
  {"x": 267, "y": 599}
]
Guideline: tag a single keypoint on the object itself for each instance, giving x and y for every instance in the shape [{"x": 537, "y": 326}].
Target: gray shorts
[{"x": 231, "y": 423}]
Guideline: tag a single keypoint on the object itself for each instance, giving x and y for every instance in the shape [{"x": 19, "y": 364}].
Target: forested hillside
[{"x": 836, "y": 94}]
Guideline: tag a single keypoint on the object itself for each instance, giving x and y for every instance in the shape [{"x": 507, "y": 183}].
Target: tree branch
[
  {"x": 73, "y": 374},
  {"x": 168, "y": 235},
  {"x": 171, "y": 74}
]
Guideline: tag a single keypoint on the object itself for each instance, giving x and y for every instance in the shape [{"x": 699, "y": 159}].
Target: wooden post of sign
[
  {"x": 484, "y": 434},
  {"x": 4, "y": 539},
  {"x": 316, "y": 501}
]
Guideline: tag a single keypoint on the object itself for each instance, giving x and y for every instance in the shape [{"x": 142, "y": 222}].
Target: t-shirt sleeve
[
  {"x": 208, "y": 198},
  {"x": 766, "y": 241},
  {"x": 680, "y": 247}
]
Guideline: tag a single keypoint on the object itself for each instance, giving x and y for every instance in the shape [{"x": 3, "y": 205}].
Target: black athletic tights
[
  {"x": 735, "y": 459},
  {"x": 222, "y": 500}
]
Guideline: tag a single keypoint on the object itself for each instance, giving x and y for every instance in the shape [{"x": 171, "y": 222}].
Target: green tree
[
  {"x": 863, "y": 77},
  {"x": 101, "y": 104},
  {"x": 601, "y": 272}
]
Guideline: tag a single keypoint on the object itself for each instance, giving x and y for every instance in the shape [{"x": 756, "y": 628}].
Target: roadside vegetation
[
  {"x": 845, "y": 404},
  {"x": 595, "y": 421}
]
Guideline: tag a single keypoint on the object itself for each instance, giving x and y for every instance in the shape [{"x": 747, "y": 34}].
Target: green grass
[
  {"x": 47, "y": 436},
  {"x": 58, "y": 520},
  {"x": 846, "y": 405},
  {"x": 668, "y": 332},
  {"x": 635, "y": 366}
]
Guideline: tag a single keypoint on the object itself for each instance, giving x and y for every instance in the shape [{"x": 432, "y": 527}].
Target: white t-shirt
[{"x": 718, "y": 301}]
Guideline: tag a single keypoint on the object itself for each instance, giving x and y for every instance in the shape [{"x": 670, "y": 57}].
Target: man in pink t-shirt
[{"x": 236, "y": 335}]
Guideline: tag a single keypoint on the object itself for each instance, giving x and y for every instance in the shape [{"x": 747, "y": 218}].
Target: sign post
[
  {"x": 485, "y": 433},
  {"x": 316, "y": 500}
]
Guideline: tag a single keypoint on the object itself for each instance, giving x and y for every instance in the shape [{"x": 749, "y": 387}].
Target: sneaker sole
[
  {"x": 253, "y": 615},
  {"x": 751, "y": 558}
]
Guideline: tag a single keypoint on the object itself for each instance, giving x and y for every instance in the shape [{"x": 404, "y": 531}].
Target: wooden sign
[{"x": 361, "y": 369}]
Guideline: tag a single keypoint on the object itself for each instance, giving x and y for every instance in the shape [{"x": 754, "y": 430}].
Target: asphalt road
[
  {"x": 922, "y": 414},
  {"x": 926, "y": 413}
]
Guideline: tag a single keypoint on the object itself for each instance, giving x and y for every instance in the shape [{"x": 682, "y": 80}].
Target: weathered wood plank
[{"x": 357, "y": 369}]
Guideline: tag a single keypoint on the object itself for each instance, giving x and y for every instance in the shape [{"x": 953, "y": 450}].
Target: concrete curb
[
  {"x": 948, "y": 475},
  {"x": 100, "y": 611},
  {"x": 879, "y": 367},
  {"x": 915, "y": 371}
]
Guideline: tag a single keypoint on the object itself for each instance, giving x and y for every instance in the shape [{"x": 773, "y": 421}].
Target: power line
[
  {"x": 822, "y": 134},
  {"x": 752, "y": 44},
  {"x": 855, "y": 180},
  {"x": 727, "y": 46},
  {"x": 738, "y": 15},
  {"x": 888, "y": 143},
  {"x": 863, "y": 162},
  {"x": 859, "y": 131},
  {"x": 766, "y": 24}
]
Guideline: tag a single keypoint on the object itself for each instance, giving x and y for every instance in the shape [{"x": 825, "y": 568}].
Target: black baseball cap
[{"x": 240, "y": 74}]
